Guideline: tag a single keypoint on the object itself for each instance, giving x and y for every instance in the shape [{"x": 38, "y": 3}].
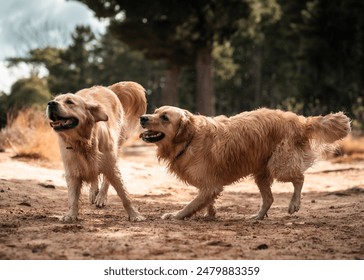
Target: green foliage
[
  {"x": 3, "y": 109},
  {"x": 168, "y": 26},
  {"x": 304, "y": 55},
  {"x": 358, "y": 112},
  {"x": 69, "y": 69},
  {"x": 88, "y": 61},
  {"x": 307, "y": 57},
  {"x": 333, "y": 52},
  {"x": 182, "y": 33},
  {"x": 25, "y": 93},
  {"x": 30, "y": 92},
  {"x": 225, "y": 66},
  {"x": 114, "y": 61}
]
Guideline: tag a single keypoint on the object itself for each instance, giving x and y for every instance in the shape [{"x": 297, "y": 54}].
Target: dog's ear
[
  {"x": 185, "y": 128},
  {"x": 98, "y": 112}
]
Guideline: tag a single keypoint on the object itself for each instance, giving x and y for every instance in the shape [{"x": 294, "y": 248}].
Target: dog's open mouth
[
  {"x": 60, "y": 123},
  {"x": 151, "y": 136}
]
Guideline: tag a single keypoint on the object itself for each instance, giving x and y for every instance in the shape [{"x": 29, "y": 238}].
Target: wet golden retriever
[
  {"x": 90, "y": 125},
  {"x": 210, "y": 153}
]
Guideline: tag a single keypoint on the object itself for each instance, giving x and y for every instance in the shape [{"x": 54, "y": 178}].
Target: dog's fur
[
  {"x": 91, "y": 125},
  {"x": 210, "y": 153}
]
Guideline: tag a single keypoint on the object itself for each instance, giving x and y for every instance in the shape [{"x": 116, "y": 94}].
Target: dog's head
[
  {"x": 167, "y": 125},
  {"x": 70, "y": 111}
]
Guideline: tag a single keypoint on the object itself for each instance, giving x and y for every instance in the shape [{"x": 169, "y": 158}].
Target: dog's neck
[
  {"x": 81, "y": 145},
  {"x": 180, "y": 153},
  {"x": 167, "y": 154}
]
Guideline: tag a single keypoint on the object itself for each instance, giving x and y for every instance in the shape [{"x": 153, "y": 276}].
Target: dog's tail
[
  {"x": 329, "y": 128},
  {"x": 134, "y": 102}
]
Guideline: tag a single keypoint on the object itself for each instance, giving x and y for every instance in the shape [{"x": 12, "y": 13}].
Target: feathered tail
[
  {"x": 132, "y": 97},
  {"x": 329, "y": 128}
]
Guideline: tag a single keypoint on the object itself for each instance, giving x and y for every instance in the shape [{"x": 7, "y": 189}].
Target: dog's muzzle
[
  {"x": 58, "y": 122},
  {"x": 149, "y": 136}
]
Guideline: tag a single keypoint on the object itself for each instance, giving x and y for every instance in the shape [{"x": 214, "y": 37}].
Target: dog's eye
[
  {"x": 164, "y": 118},
  {"x": 69, "y": 101}
]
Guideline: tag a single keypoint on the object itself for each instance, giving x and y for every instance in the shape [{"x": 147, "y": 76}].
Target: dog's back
[{"x": 134, "y": 102}]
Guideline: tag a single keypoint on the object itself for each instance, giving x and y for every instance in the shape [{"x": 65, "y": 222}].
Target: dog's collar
[{"x": 184, "y": 149}]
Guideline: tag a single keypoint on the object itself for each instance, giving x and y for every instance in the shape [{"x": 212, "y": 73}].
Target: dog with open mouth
[
  {"x": 91, "y": 124},
  {"x": 210, "y": 153}
]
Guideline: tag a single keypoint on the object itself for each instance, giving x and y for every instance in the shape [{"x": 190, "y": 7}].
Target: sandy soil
[{"x": 330, "y": 224}]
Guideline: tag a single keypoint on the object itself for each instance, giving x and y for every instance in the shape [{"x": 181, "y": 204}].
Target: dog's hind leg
[
  {"x": 211, "y": 210},
  {"x": 295, "y": 202},
  {"x": 93, "y": 192},
  {"x": 101, "y": 198},
  {"x": 264, "y": 182}
]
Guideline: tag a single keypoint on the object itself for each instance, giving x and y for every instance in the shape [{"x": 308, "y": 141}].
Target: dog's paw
[
  {"x": 172, "y": 216},
  {"x": 100, "y": 200},
  {"x": 257, "y": 217},
  {"x": 294, "y": 206},
  {"x": 92, "y": 195},
  {"x": 211, "y": 212},
  {"x": 137, "y": 218},
  {"x": 68, "y": 219},
  {"x": 207, "y": 217}
]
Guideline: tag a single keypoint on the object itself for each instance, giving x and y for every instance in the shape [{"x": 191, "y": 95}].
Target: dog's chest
[
  {"x": 198, "y": 175},
  {"x": 201, "y": 172},
  {"x": 81, "y": 165}
]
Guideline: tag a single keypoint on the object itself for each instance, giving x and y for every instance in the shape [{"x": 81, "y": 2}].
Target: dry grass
[
  {"x": 352, "y": 145},
  {"x": 30, "y": 136},
  {"x": 350, "y": 149}
]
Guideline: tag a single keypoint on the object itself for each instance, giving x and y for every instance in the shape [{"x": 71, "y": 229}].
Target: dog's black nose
[
  {"x": 52, "y": 103},
  {"x": 143, "y": 120}
]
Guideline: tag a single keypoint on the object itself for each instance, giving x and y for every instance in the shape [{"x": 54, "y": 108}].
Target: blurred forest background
[{"x": 210, "y": 56}]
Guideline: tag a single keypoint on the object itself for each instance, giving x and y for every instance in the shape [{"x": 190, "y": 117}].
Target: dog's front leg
[
  {"x": 115, "y": 179},
  {"x": 205, "y": 198},
  {"x": 74, "y": 190}
]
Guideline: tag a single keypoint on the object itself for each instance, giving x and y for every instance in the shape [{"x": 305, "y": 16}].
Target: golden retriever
[
  {"x": 91, "y": 124},
  {"x": 210, "y": 153}
]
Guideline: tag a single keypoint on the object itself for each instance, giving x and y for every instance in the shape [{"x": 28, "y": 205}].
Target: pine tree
[{"x": 174, "y": 30}]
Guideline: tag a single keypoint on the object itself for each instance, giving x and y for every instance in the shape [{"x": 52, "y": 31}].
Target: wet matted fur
[
  {"x": 210, "y": 153},
  {"x": 91, "y": 124}
]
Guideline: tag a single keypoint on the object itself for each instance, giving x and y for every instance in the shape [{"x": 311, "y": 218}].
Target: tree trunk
[
  {"x": 170, "y": 90},
  {"x": 205, "y": 103},
  {"x": 258, "y": 78}
]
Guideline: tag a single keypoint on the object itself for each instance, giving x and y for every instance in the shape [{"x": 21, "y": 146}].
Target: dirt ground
[{"x": 330, "y": 224}]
